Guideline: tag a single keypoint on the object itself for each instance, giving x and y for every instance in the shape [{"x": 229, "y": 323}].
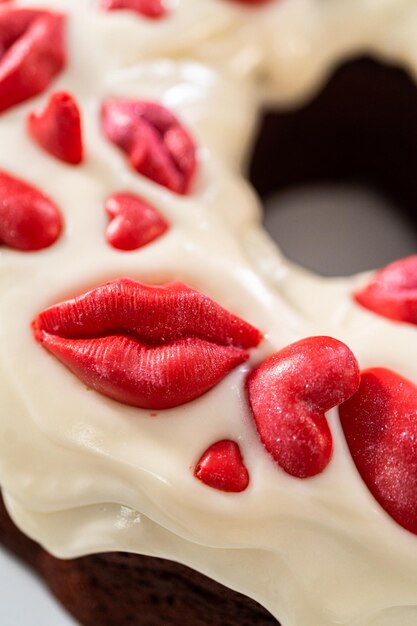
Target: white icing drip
[{"x": 86, "y": 474}]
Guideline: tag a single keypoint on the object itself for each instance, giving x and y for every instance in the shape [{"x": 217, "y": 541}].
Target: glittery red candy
[
  {"x": 153, "y": 347},
  {"x": 29, "y": 220},
  {"x": 289, "y": 394},
  {"x": 134, "y": 222},
  {"x": 157, "y": 145},
  {"x": 222, "y": 467},
  {"x": 380, "y": 426},
  {"x": 392, "y": 292},
  {"x": 32, "y": 52},
  {"x": 252, "y": 2},
  {"x": 57, "y": 129},
  {"x": 149, "y": 8}
]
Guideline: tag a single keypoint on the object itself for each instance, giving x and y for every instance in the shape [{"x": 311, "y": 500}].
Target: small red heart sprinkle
[
  {"x": 380, "y": 426},
  {"x": 32, "y": 52},
  {"x": 392, "y": 291},
  {"x": 149, "y": 8},
  {"x": 135, "y": 223},
  {"x": 221, "y": 467},
  {"x": 29, "y": 220},
  {"x": 157, "y": 145},
  {"x": 289, "y": 394},
  {"x": 57, "y": 129}
]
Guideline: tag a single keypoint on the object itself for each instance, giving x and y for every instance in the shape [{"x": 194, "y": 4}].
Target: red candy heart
[
  {"x": 57, "y": 129},
  {"x": 135, "y": 223},
  {"x": 289, "y": 394},
  {"x": 221, "y": 467},
  {"x": 29, "y": 220},
  {"x": 153, "y": 347},
  {"x": 392, "y": 292},
  {"x": 149, "y": 8},
  {"x": 380, "y": 426},
  {"x": 157, "y": 145},
  {"x": 32, "y": 53}
]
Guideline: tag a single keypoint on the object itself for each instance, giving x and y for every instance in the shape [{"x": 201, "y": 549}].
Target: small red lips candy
[
  {"x": 153, "y": 347},
  {"x": 289, "y": 394},
  {"x": 392, "y": 292},
  {"x": 149, "y": 8},
  {"x": 380, "y": 426},
  {"x": 135, "y": 223},
  {"x": 29, "y": 220},
  {"x": 221, "y": 467},
  {"x": 157, "y": 145},
  {"x": 32, "y": 52},
  {"x": 57, "y": 129}
]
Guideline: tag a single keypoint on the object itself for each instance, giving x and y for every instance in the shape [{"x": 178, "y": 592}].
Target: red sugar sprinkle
[
  {"x": 57, "y": 128},
  {"x": 134, "y": 222},
  {"x": 222, "y": 467}
]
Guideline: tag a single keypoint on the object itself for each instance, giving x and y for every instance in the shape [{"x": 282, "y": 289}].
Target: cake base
[{"x": 118, "y": 589}]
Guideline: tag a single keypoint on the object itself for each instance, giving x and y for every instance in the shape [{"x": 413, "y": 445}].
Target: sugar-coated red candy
[
  {"x": 222, "y": 467},
  {"x": 156, "y": 143},
  {"x": 149, "y": 8},
  {"x": 392, "y": 291},
  {"x": 134, "y": 222},
  {"x": 252, "y": 2},
  {"x": 32, "y": 52},
  {"x": 29, "y": 220},
  {"x": 380, "y": 426},
  {"x": 57, "y": 128},
  {"x": 149, "y": 346},
  {"x": 289, "y": 394}
]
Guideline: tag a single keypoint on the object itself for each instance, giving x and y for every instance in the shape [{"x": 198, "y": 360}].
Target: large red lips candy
[
  {"x": 157, "y": 145},
  {"x": 32, "y": 52},
  {"x": 149, "y": 8},
  {"x": 392, "y": 292},
  {"x": 153, "y": 347},
  {"x": 380, "y": 426},
  {"x": 289, "y": 394},
  {"x": 29, "y": 220}
]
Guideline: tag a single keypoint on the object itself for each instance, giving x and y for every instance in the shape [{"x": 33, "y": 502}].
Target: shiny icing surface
[{"x": 84, "y": 474}]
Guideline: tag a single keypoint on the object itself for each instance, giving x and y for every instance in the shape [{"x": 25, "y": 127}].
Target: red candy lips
[
  {"x": 152, "y": 347},
  {"x": 157, "y": 145},
  {"x": 32, "y": 52},
  {"x": 289, "y": 394},
  {"x": 392, "y": 292},
  {"x": 134, "y": 222},
  {"x": 222, "y": 467},
  {"x": 380, "y": 426},
  {"x": 57, "y": 129},
  {"x": 29, "y": 220},
  {"x": 149, "y": 8}
]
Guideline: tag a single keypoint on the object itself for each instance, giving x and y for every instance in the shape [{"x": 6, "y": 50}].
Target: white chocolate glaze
[{"x": 83, "y": 474}]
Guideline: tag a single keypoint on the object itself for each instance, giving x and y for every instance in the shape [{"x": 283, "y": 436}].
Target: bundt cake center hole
[{"x": 338, "y": 175}]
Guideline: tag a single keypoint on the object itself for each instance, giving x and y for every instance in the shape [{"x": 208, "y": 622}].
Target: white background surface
[{"x": 334, "y": 230}]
